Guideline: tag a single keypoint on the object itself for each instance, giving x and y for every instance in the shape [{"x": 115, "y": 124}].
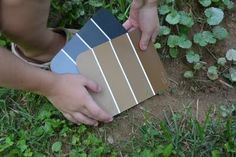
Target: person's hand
[
  {"x": 70, "y": 95},
  {"x": 144, "y": 17}
]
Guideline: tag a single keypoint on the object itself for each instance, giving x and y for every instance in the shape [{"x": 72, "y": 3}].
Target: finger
[
  {"x": 70, "y": 118},
  {"x": 145, "y": 38},
  {"x": 96, "y": 112},
  {"x": 132, "y": 29},
  {"x": 154, "y": 36},
  {"x": 93, "y": 86},
  {"x": 127, "y": 25},
  {"x": 79, "y": 117}
]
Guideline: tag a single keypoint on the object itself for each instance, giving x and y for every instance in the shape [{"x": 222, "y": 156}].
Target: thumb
[
  {"x": 93, "y": 86},
  {"x": 145, "y": 38}
]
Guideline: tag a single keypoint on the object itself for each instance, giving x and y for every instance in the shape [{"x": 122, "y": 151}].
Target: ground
[{"x": 28, "y": 121}]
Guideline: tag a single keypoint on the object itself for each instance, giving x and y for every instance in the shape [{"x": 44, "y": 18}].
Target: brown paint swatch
[
  {"x": 132, "y": 68},
  {"x": 89, "y": 68},
  {"x": 115, "y": 77},
  {"x": 151, "y": 63},
  {"x": 131, "y": 75}
]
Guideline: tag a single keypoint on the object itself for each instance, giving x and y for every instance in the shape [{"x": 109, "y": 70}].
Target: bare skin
[
  {"x": 25, "y": 23},
  {"x": 143, "y": 15}
]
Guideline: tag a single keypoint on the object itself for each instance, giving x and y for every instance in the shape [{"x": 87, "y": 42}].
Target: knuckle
[
  {"x": 13, "y": 3},
  {"x": 82, "y": 78}
]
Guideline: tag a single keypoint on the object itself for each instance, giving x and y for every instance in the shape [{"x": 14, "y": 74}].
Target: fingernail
[
  {"x": 110, "y": 120},
  {"x": 144, "y": 47}
]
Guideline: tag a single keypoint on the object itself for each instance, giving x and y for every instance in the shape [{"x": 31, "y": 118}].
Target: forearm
[
  {"x": 140, "y": 3},
  {"x": 19, "y": 75}
]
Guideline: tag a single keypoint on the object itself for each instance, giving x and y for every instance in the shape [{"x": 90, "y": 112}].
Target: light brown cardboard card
[
  {"x": 90, "y": 69},
  {"x": 128, "y": 75},
  {"x": 115, "y": 77}
]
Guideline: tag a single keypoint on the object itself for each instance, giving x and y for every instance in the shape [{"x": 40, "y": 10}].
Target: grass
[{"x": 30, "y": 126}]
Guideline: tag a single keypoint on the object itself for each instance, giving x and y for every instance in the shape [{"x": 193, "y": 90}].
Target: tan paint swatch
[
  {"x": 129, "y": 82},
  {"x": 115, "y": 77},
  {"x": 132, "y": 68},
  {"x": 151, "y": 63},
  {"x": 89, "y": 68}
]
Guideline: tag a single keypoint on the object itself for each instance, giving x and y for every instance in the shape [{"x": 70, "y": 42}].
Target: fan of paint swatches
[{"x": 104, "y": 52}]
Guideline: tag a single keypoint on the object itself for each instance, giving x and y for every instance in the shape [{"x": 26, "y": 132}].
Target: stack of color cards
[{"x": 104, "y": 52}]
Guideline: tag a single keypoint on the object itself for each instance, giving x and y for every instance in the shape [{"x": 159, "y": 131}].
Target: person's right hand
[{"x": 70, "y": 95}]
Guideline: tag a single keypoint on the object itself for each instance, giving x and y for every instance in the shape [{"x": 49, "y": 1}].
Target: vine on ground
[{"x": 176, "y": 29}]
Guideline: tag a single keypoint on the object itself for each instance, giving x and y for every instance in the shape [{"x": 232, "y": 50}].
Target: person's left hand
[{"x": 146, "y": 19}]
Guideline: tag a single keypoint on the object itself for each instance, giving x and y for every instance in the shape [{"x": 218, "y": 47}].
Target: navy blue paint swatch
[
  {"x": 109, "y": 24},
  {"x": 92, "y": 35},
  {"x": 74, "y": 47}
]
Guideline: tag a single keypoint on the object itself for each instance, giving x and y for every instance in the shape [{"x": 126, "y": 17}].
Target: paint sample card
[
  {"x": 128, "y": 76},
  {"x": 104, "y": 52}
]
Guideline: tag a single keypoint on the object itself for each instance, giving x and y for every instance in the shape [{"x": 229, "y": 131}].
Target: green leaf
[
  {"x": 232, "y": 73},
  {"x": 221, "y": 61},
  {"x": 157, "y": 45},
  {"x": 164, "y": 9},
  {"x": 173, "y": 41},
  {"x": 209, "y": 37},
  {"x": 173, "y": 18},
  {"x": 8, "y": 144},
  {"x": 216, "y": 153},
  {"x": 147, "y": 153},
  {"x": 164, "y": 30},
  {"x": 95, "y": 3},
  {"x": 21, "y": 144},
  {"x": 188, "y": 75},
  {"x": 228, "y": 3},
  {"x": 212, "y": 73},
  {"x": 214, "y": 16},
  {"x": 192, "y": 57},
  {"x": 205, "y": 3},
  {"x": 220, "y": 32},
  {"x": 56, "y": 147},
  {"x": 184, "y": 43},
  {"x": 204, "y": 38},
  {"x": 198, "y": 66},
  {"x": 169, "y": 1},
  {"x": 173, "y": 52},
  {"x": 168, "y": 150},
  {"x": 3, "y": 43},
  {"x": 186, "y": 19},
  {"x": 231, "y": 55},
  {"x": 198, "y": 39}
]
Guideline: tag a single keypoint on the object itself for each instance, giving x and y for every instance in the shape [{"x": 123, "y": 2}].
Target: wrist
[
  {"x": 137, "y": 4},
  {"x": 47, "y": 83},
  {"x": 151, "y": 3}
]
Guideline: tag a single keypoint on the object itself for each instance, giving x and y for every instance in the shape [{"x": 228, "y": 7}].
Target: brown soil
[{"x": 200, "y": 92}]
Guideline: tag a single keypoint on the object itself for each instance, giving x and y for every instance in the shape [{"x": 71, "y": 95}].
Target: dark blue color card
[
  {"x": 109, "y": 24},
  {"x": 92, "y": 35}
]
